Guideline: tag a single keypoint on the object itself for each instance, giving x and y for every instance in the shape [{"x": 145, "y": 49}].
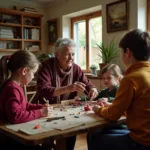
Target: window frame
[
  {"x": 85, "y": 17},
  {"x": 148, "y": 15}
]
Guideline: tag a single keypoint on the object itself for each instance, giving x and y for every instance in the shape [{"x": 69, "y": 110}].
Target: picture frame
[
  {"x": 117, "y": 16},
  {"x": 52, "y": 31}
]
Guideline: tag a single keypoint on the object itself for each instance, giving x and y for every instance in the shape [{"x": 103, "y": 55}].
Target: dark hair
[
  {"x": 138, "y": 43},
  {"x": 22, "y": 58},
  {"x": 114, "y": 68}
]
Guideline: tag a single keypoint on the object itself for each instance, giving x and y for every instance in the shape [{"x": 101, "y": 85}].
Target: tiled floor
[{"x": 81, "y": 142}]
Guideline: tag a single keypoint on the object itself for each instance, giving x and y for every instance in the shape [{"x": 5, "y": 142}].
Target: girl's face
[
  {"x": 109, "y": 79},
  {"x": 28, "y": 75}
]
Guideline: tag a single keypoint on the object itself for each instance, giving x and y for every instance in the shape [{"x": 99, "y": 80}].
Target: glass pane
[
  {"x": 80, "y": 39},
  {"x": 95, "y": 37}
]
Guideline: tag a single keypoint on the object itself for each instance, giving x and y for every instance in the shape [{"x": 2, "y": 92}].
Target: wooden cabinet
[
  {"x": 98, "y": 82},
  {"x": 20, "y": 30}
]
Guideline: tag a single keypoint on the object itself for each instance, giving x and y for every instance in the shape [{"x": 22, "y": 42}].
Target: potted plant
[
  {"x": 93, "y": 68},
  {"x": 107, "y": 52},
  {"x": 44, "y": 56}
]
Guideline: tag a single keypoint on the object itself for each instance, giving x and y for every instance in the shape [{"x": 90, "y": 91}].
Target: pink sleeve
[
  {"x": 33, "y": 106},
  {"x": 16, "y": 109}
]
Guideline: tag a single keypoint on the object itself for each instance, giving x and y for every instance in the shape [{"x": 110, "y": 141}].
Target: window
[
  {"x": 148, "y": 15},
  {"x": 87, "y": 32}
]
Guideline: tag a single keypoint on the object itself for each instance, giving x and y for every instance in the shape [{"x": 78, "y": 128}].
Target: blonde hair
[{"x": 115, "y": 70}]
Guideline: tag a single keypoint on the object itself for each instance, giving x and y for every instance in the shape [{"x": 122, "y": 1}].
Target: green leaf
[{"x": 107, "y": 52}]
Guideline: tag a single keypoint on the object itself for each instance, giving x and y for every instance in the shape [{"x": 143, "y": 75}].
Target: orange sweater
[{"x": 133, "y": 97}]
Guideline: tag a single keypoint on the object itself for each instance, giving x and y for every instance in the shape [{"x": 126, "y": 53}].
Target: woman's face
[{"x": 66, "y": 57}]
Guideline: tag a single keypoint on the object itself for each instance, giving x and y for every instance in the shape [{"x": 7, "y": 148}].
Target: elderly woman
[{"x": 60, "y": 78}]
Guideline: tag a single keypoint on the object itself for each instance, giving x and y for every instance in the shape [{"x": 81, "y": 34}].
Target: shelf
[
  {"x": 34, "y": 50},
  {"x": 10, "y": 39},
  {"x": 9, "y": 50},
  {"x": 21, "y": 30},
  {"x": 30, "y": 40},
  {"x": 18, "y": 12},
  {"x": 30, "y": 26},
  {"x": 14, "y": 50},
  {"x": 10, "y": 24}
]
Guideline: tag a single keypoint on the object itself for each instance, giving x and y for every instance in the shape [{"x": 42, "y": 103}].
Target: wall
[
  {"x": 142, "y": 14},
  {"x": 71, "y": 6},
  {"x": 10, "y": 3},
  {"x": 137, "y": 17}
]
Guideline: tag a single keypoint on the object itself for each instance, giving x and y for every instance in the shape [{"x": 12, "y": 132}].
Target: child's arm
[
  {"x": 34, "y": 106},
  {"x": 16, "y": 111},
  {"x": 101, "y": 94}
]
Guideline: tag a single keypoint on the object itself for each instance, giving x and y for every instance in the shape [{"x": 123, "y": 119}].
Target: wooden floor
[{"x": 81, "y": 143}]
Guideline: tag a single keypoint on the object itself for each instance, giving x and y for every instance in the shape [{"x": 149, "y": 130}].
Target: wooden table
[{"x": 60, "y": 136}]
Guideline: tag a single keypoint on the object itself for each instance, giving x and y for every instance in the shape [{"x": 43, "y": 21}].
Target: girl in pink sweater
[{"x": 14, "y": 107}]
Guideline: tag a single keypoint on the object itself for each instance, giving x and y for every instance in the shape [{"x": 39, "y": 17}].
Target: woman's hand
[
  {"x": 46, "y": 110},
  {"x": 92, "y": 93},
  {"x": 77, "y": 86}
]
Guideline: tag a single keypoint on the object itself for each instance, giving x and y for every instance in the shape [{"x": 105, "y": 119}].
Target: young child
[
  {"x": 133, "y": 98},
  {"x": 111, "y": 75},
  {"x": 14, "y": 107}
]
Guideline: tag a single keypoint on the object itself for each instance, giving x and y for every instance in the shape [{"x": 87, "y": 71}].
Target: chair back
[{"x": 3, "y": 69}]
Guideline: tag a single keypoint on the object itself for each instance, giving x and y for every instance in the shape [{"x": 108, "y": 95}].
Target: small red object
[
  {"x": 87, "y": 108},
  {"x": 37, "y": 126}
]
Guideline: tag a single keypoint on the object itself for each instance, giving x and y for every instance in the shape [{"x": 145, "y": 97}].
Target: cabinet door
[
  {"x": 96, "y": 82},
  {"x": 102, "y": 86}
]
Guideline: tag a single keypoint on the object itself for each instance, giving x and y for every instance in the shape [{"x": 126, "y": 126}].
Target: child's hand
[
  {"x": 96, "y": 108},
  {"x": 46, "y": 111},
  {"x": 92, "y": 93},
  {"x": 103, "y": 99},
  {"x": 104, "y": 104}
]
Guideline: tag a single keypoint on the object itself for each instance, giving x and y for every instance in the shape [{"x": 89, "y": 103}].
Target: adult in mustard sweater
[{"x": 133, "y": 97}]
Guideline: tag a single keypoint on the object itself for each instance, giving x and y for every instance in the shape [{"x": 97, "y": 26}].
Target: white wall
[
  {"x": 137, "y": 17},
  {"x": 142, "y": 14},
  {"x": 10, "y": 3},
  {"x": 71, "y": 6}
]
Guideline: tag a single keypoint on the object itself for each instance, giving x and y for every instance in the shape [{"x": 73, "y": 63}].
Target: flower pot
[
  {"x": 94, "y": 71},
  {"x": 102, "y": 65}
]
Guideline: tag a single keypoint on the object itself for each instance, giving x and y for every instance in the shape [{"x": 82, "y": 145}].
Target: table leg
[
  {"x": 61, "y": 144},
  {"x": 49, "y": 145}
]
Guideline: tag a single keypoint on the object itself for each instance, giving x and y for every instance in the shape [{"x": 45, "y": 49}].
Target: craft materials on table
[
  {"x": 55, "y": 118},
  {"x": 37, "y": 126},
  {"x": 46, "y": 101},
  {"x": 67, "y": 118}
]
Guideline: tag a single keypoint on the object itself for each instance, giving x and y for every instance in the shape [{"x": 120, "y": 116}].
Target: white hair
[{"x": 63, "y": 42}]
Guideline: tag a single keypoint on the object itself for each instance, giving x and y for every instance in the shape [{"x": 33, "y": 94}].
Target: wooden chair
[
  {"x": 3, "y": 69},
  {"x": 30, "y": 90}
]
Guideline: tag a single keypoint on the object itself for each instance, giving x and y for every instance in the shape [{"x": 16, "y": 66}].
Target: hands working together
[
  {"x": 102, "y": 102},
  {"x": 81, "y": 87}
]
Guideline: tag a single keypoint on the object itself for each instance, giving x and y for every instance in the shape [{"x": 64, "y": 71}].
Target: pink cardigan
[{"x": 13, "y": 105}]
